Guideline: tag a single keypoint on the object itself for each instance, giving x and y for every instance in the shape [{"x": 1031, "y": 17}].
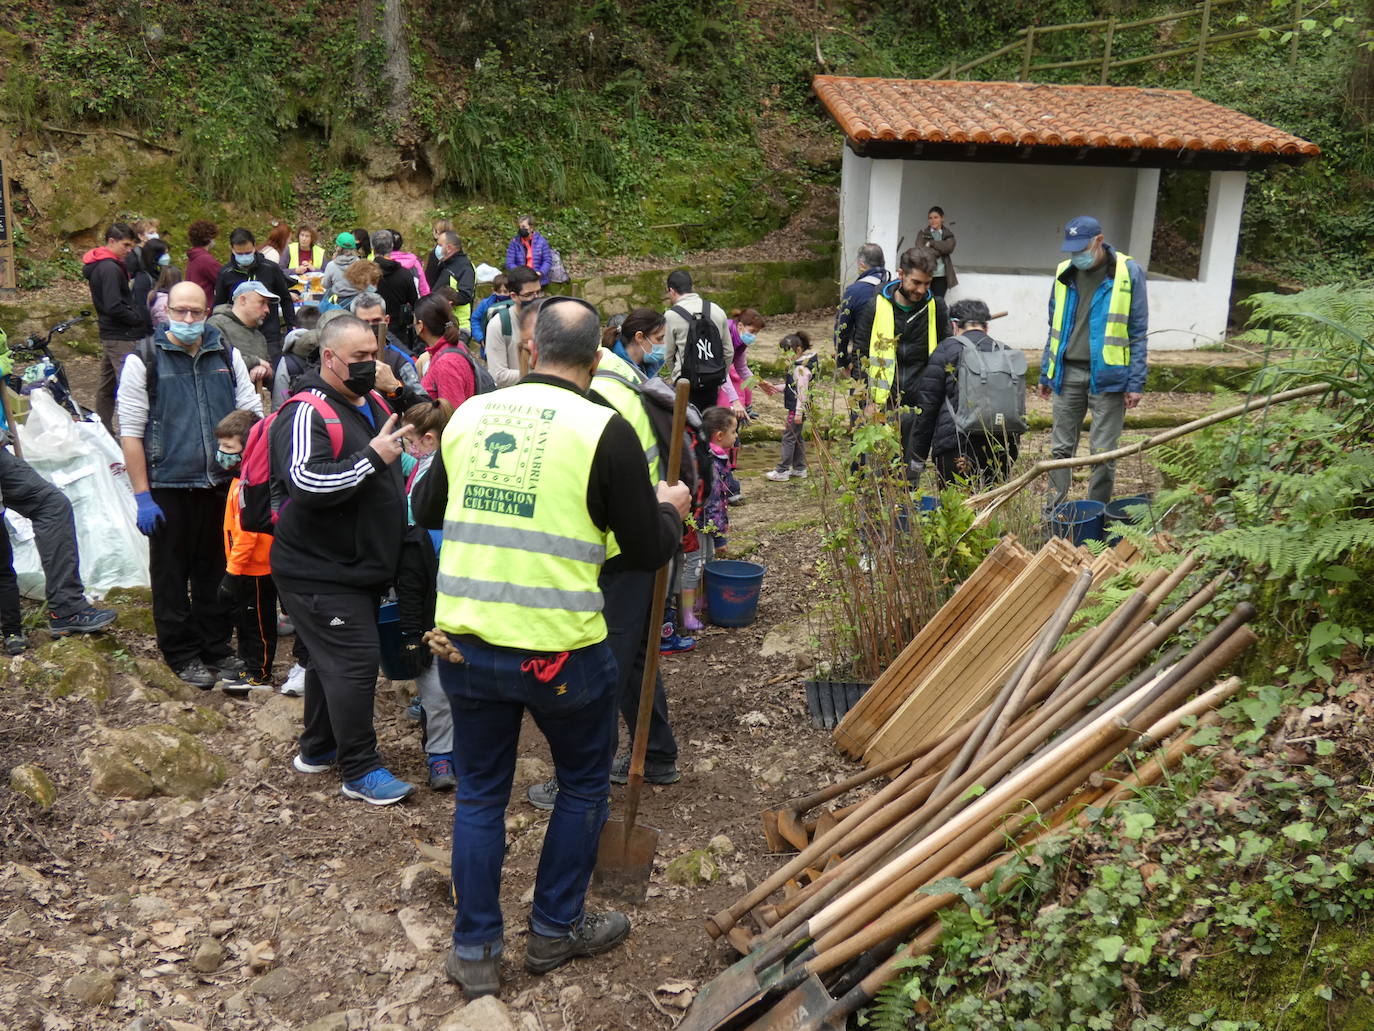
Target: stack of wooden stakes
[{"x": 1046, "y": 733}]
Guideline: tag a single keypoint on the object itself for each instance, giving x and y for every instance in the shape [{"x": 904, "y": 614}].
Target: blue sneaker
[
  {"x": 378, "y": 788},
  {"x": 441, "y": 775},
  {"x": 322, "y": 764},
  {"x": 87, "y": 621},
  {"x": 415, "y": 711},
  {"x": 676, "y": 643}
]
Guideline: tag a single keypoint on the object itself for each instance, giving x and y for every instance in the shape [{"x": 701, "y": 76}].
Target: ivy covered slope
[
  {"x": 632, "y": 126},
  {"x": 1238, "y": 894}
]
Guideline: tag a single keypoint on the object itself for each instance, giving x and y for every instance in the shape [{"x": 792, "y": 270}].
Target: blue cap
[{"x": 1079, "y": 233}]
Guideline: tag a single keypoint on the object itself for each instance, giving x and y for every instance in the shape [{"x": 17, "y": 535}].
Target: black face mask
[
  {"x": 524, "y": 231},
  {"x": 362, "y": 377}
]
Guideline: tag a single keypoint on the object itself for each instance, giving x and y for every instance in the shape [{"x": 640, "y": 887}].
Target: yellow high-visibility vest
[
  {"x": 1116, "y": 345},
  {"x": 617, "y": 381},
  {"x": 520, "y": 558},
  {"x": 293, "y": 255},
  {"x": 882, "y": 346}
]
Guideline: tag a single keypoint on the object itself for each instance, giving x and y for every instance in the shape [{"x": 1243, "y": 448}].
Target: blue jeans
[{"x": 575, "y": 711}]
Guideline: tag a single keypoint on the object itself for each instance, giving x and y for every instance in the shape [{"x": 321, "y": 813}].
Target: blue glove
[{"x": 150, "y": 516}]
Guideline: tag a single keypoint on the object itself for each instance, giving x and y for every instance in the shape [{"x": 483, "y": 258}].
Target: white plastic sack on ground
[
  {"x": 77, "y": 458},
  {"x": 485, "y": 273}
]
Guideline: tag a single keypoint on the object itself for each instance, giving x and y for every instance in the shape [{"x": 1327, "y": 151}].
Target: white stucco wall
[{"x": 1009, "y": 222}]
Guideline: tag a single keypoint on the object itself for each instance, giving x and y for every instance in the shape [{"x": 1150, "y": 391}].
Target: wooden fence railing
[{"x": 1109, "y": 28}]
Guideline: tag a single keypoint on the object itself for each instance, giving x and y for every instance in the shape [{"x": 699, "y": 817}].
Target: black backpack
[{"x": 703, "y": 353}]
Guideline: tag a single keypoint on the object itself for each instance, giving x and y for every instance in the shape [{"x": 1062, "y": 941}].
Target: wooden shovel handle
[{"x": 635, "y": 784}]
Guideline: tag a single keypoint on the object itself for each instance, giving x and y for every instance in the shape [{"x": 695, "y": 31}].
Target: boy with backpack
[
  {"x": 500, "y": 294},
  {"x": 796, "y": 347},
  {"x": 971, "y": 400},
  {"x": 247, "y": 584},
  {"x": 698, "y": 345}
]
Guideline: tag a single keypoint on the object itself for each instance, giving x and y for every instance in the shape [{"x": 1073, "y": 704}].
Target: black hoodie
[
  {"x": 340, "y": 528},
  {"x": 116, "y": 313}
]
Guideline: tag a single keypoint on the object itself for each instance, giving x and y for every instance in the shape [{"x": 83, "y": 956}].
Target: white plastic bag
[
  {"x": 486, "y": 273},
  {"x": 77, "y": 459}
]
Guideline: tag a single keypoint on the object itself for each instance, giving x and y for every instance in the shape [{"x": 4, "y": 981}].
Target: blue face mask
[
  {"x": 747, "y": 338},
  {"x": 244, "y": 260},
  {"x": 1083, "y": 260},
  {"x": 164, "y": 260},
  {"x": 186, "y": 332},
  {"x": 438, "y": 252},
  {"x": 653, "y": 360},
  {"x": 228, "y": 460}
]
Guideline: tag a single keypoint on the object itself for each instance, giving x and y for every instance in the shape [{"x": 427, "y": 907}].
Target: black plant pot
[{"x": 829, "y": 700}]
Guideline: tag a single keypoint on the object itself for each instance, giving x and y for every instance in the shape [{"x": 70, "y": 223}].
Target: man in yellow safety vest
[
  {"x": 894, "y": 333},
  {"x": 530, "y": 486},
  {"x": 1095, "y": 355}
]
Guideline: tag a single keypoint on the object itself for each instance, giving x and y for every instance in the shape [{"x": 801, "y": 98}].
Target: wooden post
[
  {"x": 1107, "y": 50},
  {"x": 1026, "y": 58},
  {"x": 1202, "y": 43},
  {"x": 7, "y": 269},
  {"x": 1297, "y": 28}
]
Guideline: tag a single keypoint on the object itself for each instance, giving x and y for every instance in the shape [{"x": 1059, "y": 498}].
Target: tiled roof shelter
[
  {"x": 1011, "y": 162},
  {"x": 1020, "y": 121}
]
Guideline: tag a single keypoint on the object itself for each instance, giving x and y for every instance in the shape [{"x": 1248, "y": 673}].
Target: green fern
[{"x": 1287, "y": 549}]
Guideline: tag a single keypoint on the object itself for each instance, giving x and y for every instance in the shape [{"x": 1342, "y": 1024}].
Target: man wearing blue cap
[{"x": 1095, "y": 357}]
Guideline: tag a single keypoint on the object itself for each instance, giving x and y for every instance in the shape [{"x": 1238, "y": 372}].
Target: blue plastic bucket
[
  {"x": 1119, "y": 512},
  {"x": 732, "y": 591},
  {"x": 1080, "y": 521},
  {"x": 389, "y": 636},
  {"x": 928, "y": 503}
]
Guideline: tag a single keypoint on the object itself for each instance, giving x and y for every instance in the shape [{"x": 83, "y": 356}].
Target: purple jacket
[{"x": 542, "y": 254}]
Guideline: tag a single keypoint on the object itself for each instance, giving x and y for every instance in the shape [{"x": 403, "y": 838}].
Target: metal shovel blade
[
  {"x": 623, "y": 865},
  {"x": 808, "y": 1007}
]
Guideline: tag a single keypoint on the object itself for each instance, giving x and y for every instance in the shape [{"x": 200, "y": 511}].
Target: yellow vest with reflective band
[
  {"x": 293, "y": 256},
  {"x": 1116, "y": 343},
  {"x": 882, "y": 346},
  {"x": 521, "y": 556},
  {"x": 615, "y": 380}
]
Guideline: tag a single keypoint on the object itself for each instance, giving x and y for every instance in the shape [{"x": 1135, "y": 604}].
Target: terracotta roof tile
[{"x": 1038, "y": 114}]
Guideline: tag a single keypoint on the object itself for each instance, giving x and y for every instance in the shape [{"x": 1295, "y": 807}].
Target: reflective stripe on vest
[
  {"x": 1116, "y": 344},
  {"x": 520, "y": 558},
  {"x": 882, "y": 346},
  {"x": 616, "y": 380}
]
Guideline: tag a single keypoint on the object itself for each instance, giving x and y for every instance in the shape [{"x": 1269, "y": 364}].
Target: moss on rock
[
  {"x": 157, "y": 676},
  {"x": 156, "y": 758},
  {"x": 71, "y": 666},
  {"x": 31, "y": 781}
]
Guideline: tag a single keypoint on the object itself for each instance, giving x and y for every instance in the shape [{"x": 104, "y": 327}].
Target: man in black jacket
[
  {"x": 979, "y": 457},
  {"x": 397, "y": 287},
  {"x": 247, "y": 263},
  {"x": 917, "y": 321},
  {"x": 336, "y": 547},
  {"x": 122, "y": 325},
  {"x": 455, "y": 270}
]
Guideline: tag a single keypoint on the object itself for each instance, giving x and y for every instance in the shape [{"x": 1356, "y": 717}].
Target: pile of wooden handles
[{"x": 1037, "y": 753}]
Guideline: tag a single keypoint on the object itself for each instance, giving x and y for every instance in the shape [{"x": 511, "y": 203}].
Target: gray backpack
[{"x": 992, "y": 391}]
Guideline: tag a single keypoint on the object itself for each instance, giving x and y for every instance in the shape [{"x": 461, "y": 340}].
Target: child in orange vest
[{"x": 248, "y": 569}]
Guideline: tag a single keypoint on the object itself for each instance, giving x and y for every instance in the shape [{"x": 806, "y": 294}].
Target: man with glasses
[
  {"x": 503, "y": 326},
  {"x": 372, "y": 310},
  {"x": 121, "y": 323},
  {"x": 529, "y": 486},
  {"x": 173, "y": 391}
]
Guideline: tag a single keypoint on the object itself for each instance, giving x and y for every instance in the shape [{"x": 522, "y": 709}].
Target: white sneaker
[
  {"x": 295, "y": 682},
  {"x": 778, "y": 477},
  {"x": 798, "y": 474}
]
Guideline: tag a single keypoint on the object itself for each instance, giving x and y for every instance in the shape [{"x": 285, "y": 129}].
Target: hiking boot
[
  {"x": 543, "y": 796},
  {"x": 242, "y": 685},
  {"x": 598, "y": 933},
  {"x": 441, "y": 775},
  {"x": 778, "y": 475},
  {"x": 197, "y": 674},
  {"x": 16, "y": 643},
  {"x": 295, "y": 682},
  {"x": 378, "y": 788},
  {"x": 86, "y": 621},
  {"x": 228, "y": 667},
  {"x": 676, "y": 643},
  {"x": 477, "y": 977},
  {"x": 322, "y": 764},
  {"x": 654, "y": 772}
]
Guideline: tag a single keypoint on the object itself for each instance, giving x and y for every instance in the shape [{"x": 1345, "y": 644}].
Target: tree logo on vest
[{"x": 503, "y": 473}]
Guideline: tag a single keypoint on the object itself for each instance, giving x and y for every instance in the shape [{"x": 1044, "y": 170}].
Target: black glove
[
  {"x": 415, "y": 654},
  {"x": 228, "y": 589}
]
